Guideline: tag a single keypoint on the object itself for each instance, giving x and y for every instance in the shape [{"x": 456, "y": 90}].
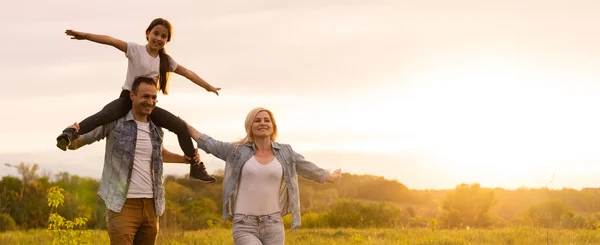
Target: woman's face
[{"x": 262, "y": 125}]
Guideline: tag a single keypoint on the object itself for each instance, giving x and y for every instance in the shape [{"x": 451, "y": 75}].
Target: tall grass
[{"x": 413, "y": 236}]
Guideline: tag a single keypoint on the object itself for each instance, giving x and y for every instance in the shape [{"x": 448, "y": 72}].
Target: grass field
[{"x": 509, "y": 236}]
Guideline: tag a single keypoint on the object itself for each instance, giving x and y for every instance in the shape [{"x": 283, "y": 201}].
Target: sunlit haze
[{"x": 430, "y": 93}]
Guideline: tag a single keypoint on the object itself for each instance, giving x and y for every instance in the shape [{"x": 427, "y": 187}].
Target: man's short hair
[{"x": 140, "y": 80}]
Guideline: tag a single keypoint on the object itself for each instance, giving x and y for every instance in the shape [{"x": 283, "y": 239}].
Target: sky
[{"x": 431, "y": 93}]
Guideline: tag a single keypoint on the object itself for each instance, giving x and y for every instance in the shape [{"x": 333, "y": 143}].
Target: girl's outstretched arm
[
  {"x": 192, "y": 76},
  {"x": 102, "y": 39}
]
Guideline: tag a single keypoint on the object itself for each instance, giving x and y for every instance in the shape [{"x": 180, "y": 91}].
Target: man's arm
[
  {"x": 171, "y": 157},
  {"x": 97, "y": 134},
  {"x": 75, "y": 144}
]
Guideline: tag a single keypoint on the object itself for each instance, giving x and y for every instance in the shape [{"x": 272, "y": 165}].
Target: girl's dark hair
[{"x": 163, "y": 75}]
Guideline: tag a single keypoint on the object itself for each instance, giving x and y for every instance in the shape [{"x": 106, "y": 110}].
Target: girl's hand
[
  {"x": 75, "y": 34},
  {"x": 214, "y": 90}
]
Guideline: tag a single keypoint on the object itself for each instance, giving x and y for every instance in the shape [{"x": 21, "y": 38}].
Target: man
[{"x": 132, "y": 177}]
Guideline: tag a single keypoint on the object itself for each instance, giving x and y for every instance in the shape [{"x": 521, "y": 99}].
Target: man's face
[{"x": 144, "y": 99}]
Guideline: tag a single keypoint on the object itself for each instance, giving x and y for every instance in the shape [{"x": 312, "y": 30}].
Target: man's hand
[{"x": 196, "y": 157}]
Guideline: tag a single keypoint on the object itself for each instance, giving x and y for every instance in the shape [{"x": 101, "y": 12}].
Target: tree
[
  {"x": 468, "y": 206},
  {"x": 349, "y": 213},
  {"x": 7, "y": 223},
  {"x": 200, "y": 214},
  {"x": 28, "y": 172},
  {"x": 593, "y": 221},
  {"x": 549, "y": 214},
  {"x": 12, "y": 192},
  {"x": 24, "y": 199},
  {"x": 177, "y": 195}
]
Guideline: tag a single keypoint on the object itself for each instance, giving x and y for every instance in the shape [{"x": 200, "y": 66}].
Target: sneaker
[
  {"x": 64, "y": 140},
  {"x": 198, "y": 172}
]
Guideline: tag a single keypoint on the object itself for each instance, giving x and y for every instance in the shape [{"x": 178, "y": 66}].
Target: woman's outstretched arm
[{"x": 217, "y": 148}]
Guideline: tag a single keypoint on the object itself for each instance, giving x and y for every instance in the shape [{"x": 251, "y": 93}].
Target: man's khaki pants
[{"x": 135, "y": 224}]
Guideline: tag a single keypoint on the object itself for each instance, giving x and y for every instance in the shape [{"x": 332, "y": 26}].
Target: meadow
[
  {"x": 346, "y": 212},
  {"x": 413, "y": 236}
]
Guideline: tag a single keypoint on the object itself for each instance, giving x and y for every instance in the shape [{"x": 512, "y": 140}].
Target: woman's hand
[{"x": 333, "y": 177}]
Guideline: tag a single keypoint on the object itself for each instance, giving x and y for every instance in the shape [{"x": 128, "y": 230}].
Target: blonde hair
[{"x": 248, "y": 125}]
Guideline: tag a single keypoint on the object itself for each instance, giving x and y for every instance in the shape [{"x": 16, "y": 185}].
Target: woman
[{"x": 261, "y": 183}]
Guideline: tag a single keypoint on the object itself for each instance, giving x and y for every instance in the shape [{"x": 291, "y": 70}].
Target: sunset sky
[{"x": 432, "y": 93}]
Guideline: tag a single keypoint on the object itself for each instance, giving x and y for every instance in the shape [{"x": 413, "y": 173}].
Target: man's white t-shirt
[
  {"x": 140, "y": 185},
  {"x": 141, "y": 64}
]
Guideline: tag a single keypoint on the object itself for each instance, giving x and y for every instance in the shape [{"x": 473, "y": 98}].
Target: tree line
[{"x": 355, "y": 201}]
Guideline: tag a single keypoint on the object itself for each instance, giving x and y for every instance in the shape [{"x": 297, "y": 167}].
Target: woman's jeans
[{"x": 258, "y": 229}]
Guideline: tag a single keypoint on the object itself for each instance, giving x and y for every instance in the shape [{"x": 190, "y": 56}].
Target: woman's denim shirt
[{"x": 293, "y": 164}]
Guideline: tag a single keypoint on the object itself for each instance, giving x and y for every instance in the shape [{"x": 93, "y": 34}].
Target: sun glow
[{"x": 493, "y": 123}]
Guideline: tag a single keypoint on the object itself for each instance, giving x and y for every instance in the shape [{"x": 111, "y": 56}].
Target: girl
[{"x": 148, "y": 60}]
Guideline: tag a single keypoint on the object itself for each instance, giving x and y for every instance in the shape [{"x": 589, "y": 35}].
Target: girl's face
[{"x": 157, "y": 37}]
